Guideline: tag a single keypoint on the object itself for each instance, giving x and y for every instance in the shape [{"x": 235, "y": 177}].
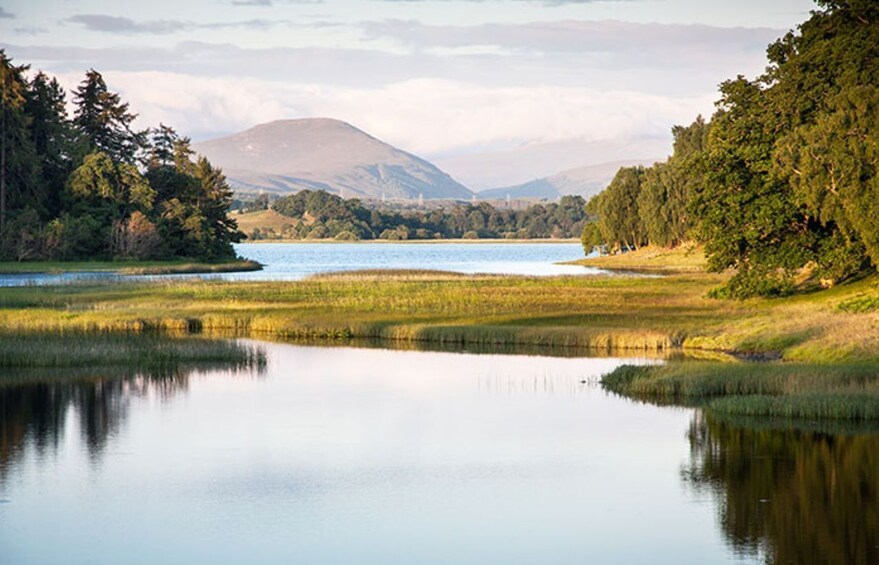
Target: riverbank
[
  {"x": 688, "y": 258},
  {"x": 126, "y": 267},
  {"x": 668, "y": 314}
]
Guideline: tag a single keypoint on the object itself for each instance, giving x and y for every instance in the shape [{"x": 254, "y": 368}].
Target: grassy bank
[
  {"x": 147, "y": 353},
  {"x": 684, "y": 259},
  {"x": 602, "y": 313},
  {"x": 783, "y": 390},
  {"x": 125, "y": 267}
]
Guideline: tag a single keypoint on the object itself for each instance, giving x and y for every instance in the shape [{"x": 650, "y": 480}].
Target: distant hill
[
  {"x": 286, "y": 156},
  {"x": 582, "y": 181}
]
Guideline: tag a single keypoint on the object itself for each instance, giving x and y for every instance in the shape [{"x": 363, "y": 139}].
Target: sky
[{"x": 495, "y": 91}]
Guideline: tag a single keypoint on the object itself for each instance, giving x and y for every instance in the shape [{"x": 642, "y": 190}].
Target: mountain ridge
[{"x": 285, "y": 156}]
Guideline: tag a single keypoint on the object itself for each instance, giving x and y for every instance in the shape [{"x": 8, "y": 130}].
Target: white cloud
[{"x": 424, "y": 116}]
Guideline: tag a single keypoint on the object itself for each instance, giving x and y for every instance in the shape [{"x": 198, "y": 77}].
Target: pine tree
[{"x": 105, "y": 121}]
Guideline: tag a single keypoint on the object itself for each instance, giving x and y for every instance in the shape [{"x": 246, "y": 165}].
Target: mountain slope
[
  {"x": 286, "y": 156},
  {"x": 582, "y": 181}
]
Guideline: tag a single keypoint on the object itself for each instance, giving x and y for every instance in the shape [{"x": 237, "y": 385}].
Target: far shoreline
[{"x": 418, "y": 241}]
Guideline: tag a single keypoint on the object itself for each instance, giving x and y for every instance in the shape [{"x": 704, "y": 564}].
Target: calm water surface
[
  {"x": 292, "y": 261},
  {"x": 343, "y": 455}
]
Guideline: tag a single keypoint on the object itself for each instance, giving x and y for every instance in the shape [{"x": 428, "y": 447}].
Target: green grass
[
  {"x": 687, "y": 258},
  {"x": 125, "y": 267},
  {"x": 667, "y": 314},
  {"x": 143, "y": 352},
  {"x": 781, "y": 390}
]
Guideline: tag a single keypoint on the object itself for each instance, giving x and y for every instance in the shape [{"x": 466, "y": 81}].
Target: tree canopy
[
  {"x": 92, "y": 186},
  {"x": 784, "y": 177}
]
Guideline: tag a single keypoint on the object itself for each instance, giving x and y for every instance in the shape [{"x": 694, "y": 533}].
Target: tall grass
[
  {"x": 146, "y": 352},
  {"x": 602, "y": 313},
  {"x": 782, "y": 390}
]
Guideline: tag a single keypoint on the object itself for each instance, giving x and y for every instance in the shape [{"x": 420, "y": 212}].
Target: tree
[
  {"x": 53, "y": 137},
  {"x": 17, "y": 157},
  {"x": 105, "y": 121},
  {"x": 617, "y": 210}
]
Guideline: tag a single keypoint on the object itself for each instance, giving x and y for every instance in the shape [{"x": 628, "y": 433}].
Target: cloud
[
  {"x": 115, "y": 24},
  {"x": 251, "y": 2},
  {"x": 615, "y": 41},
  {"x": 30, "y": 30},
  {"x": 4, "y": 15},
  {"x": 544, "y": 2},
  {"x": 426, "y": 116}
]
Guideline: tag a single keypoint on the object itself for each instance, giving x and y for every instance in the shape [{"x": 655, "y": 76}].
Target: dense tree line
[
  {"x": 784, "y": 178},
  {"x": 320, "y": 215},
  {"x": 92, "y": 186}
]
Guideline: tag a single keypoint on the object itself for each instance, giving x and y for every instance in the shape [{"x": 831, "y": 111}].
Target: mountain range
[
  {"x": 285, "y": 156},
  {"x": 582, "y": 181}
]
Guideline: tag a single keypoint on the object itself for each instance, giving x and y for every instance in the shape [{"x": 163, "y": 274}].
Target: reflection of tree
[
  {"x": 800, "y": 497},
  {"x": 33, "y": 413}
]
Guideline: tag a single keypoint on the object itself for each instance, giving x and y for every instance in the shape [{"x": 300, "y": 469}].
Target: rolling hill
[{"x": 286, "y": 156}]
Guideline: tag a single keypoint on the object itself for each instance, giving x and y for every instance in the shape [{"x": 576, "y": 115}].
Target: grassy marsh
[
  {"x": 602, "y": 313},
  {"x": 782, "y": 390},
  {"x": 126, "y": 267},
  {"x": 143, "y": 352}
]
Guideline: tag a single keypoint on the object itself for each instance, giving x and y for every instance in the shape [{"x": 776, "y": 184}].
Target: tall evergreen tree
[
  {"x": 105, "y": 121},
  {"x": 18, "y": 163},
  {"x": 53, "y": 137}
]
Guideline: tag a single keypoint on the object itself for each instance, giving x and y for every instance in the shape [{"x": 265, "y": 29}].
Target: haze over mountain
[
  {"x": 483, "y": 170},
  {"x": 286, "y": 156},
  {"x": 583, "y": 181}
]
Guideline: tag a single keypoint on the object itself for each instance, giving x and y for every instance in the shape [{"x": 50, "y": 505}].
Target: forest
[
  {"x": 320, "y": 215},
  {"x": 91, "y": 186},
  {"x": 782, "y": 181}
]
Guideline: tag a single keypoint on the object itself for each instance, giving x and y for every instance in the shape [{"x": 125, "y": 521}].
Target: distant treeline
[
  {"x": 92, "y": 187},
  {"x": 320, "y": 215},
  {"x": 785, "y": 177}
]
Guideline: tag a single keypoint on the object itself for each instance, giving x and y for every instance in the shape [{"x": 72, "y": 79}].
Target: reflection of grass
[
  {"x": 848, "y": 392},
  {"x": 603, "y": 313},
  {"x": 142, "y": 352}
]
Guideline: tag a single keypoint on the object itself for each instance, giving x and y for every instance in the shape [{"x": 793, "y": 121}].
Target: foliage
[
  {"x": 76, "y": 188},
  {"x": 784, "y": 178},
  {"x": 321, "y": 215}
]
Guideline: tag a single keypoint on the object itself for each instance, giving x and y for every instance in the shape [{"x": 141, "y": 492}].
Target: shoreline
[
  {"x": 415, "y": 241},
  {"x": 126, "y": 267}
]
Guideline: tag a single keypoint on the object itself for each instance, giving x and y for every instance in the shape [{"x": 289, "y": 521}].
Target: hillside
[
  {"x": 286, "y": 156},
  {"x": 581, "y": 181}
]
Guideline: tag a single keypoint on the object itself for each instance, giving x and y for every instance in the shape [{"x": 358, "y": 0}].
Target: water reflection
[
  {"x": 790, "y": 495},
  {"x": 38, "y": 407}
]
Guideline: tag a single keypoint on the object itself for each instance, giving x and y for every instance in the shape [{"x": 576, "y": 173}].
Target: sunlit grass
[
  {"x": 146, "y": 352},
  {"x": 603, "y": 313},
  {"x": 783, "y": 390}
]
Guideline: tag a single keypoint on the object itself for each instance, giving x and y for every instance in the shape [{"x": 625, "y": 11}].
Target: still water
[
  {"x": 345, "y": 455},
  {"x": 292, "y": 261}
]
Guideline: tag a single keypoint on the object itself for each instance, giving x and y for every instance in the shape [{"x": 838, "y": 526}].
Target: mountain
[
  {"x": 583, "y": 181},
  {"x": 481, "y": 170},
  {"x": 286, "y": 156}
]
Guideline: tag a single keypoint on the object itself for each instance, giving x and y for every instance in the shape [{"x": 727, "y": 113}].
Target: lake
[
  {"x": 293, "y": 261},
  {"x": 344, "y": 455}
]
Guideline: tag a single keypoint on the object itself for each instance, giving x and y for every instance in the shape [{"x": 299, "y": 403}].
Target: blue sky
[{"x": 449, "y": 80}]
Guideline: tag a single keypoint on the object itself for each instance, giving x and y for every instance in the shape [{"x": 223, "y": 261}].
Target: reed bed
[
  {"x": 148, "y": 352},
  {"x": 783, "y": 390},
  {"x": 603, "y": 313}
]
